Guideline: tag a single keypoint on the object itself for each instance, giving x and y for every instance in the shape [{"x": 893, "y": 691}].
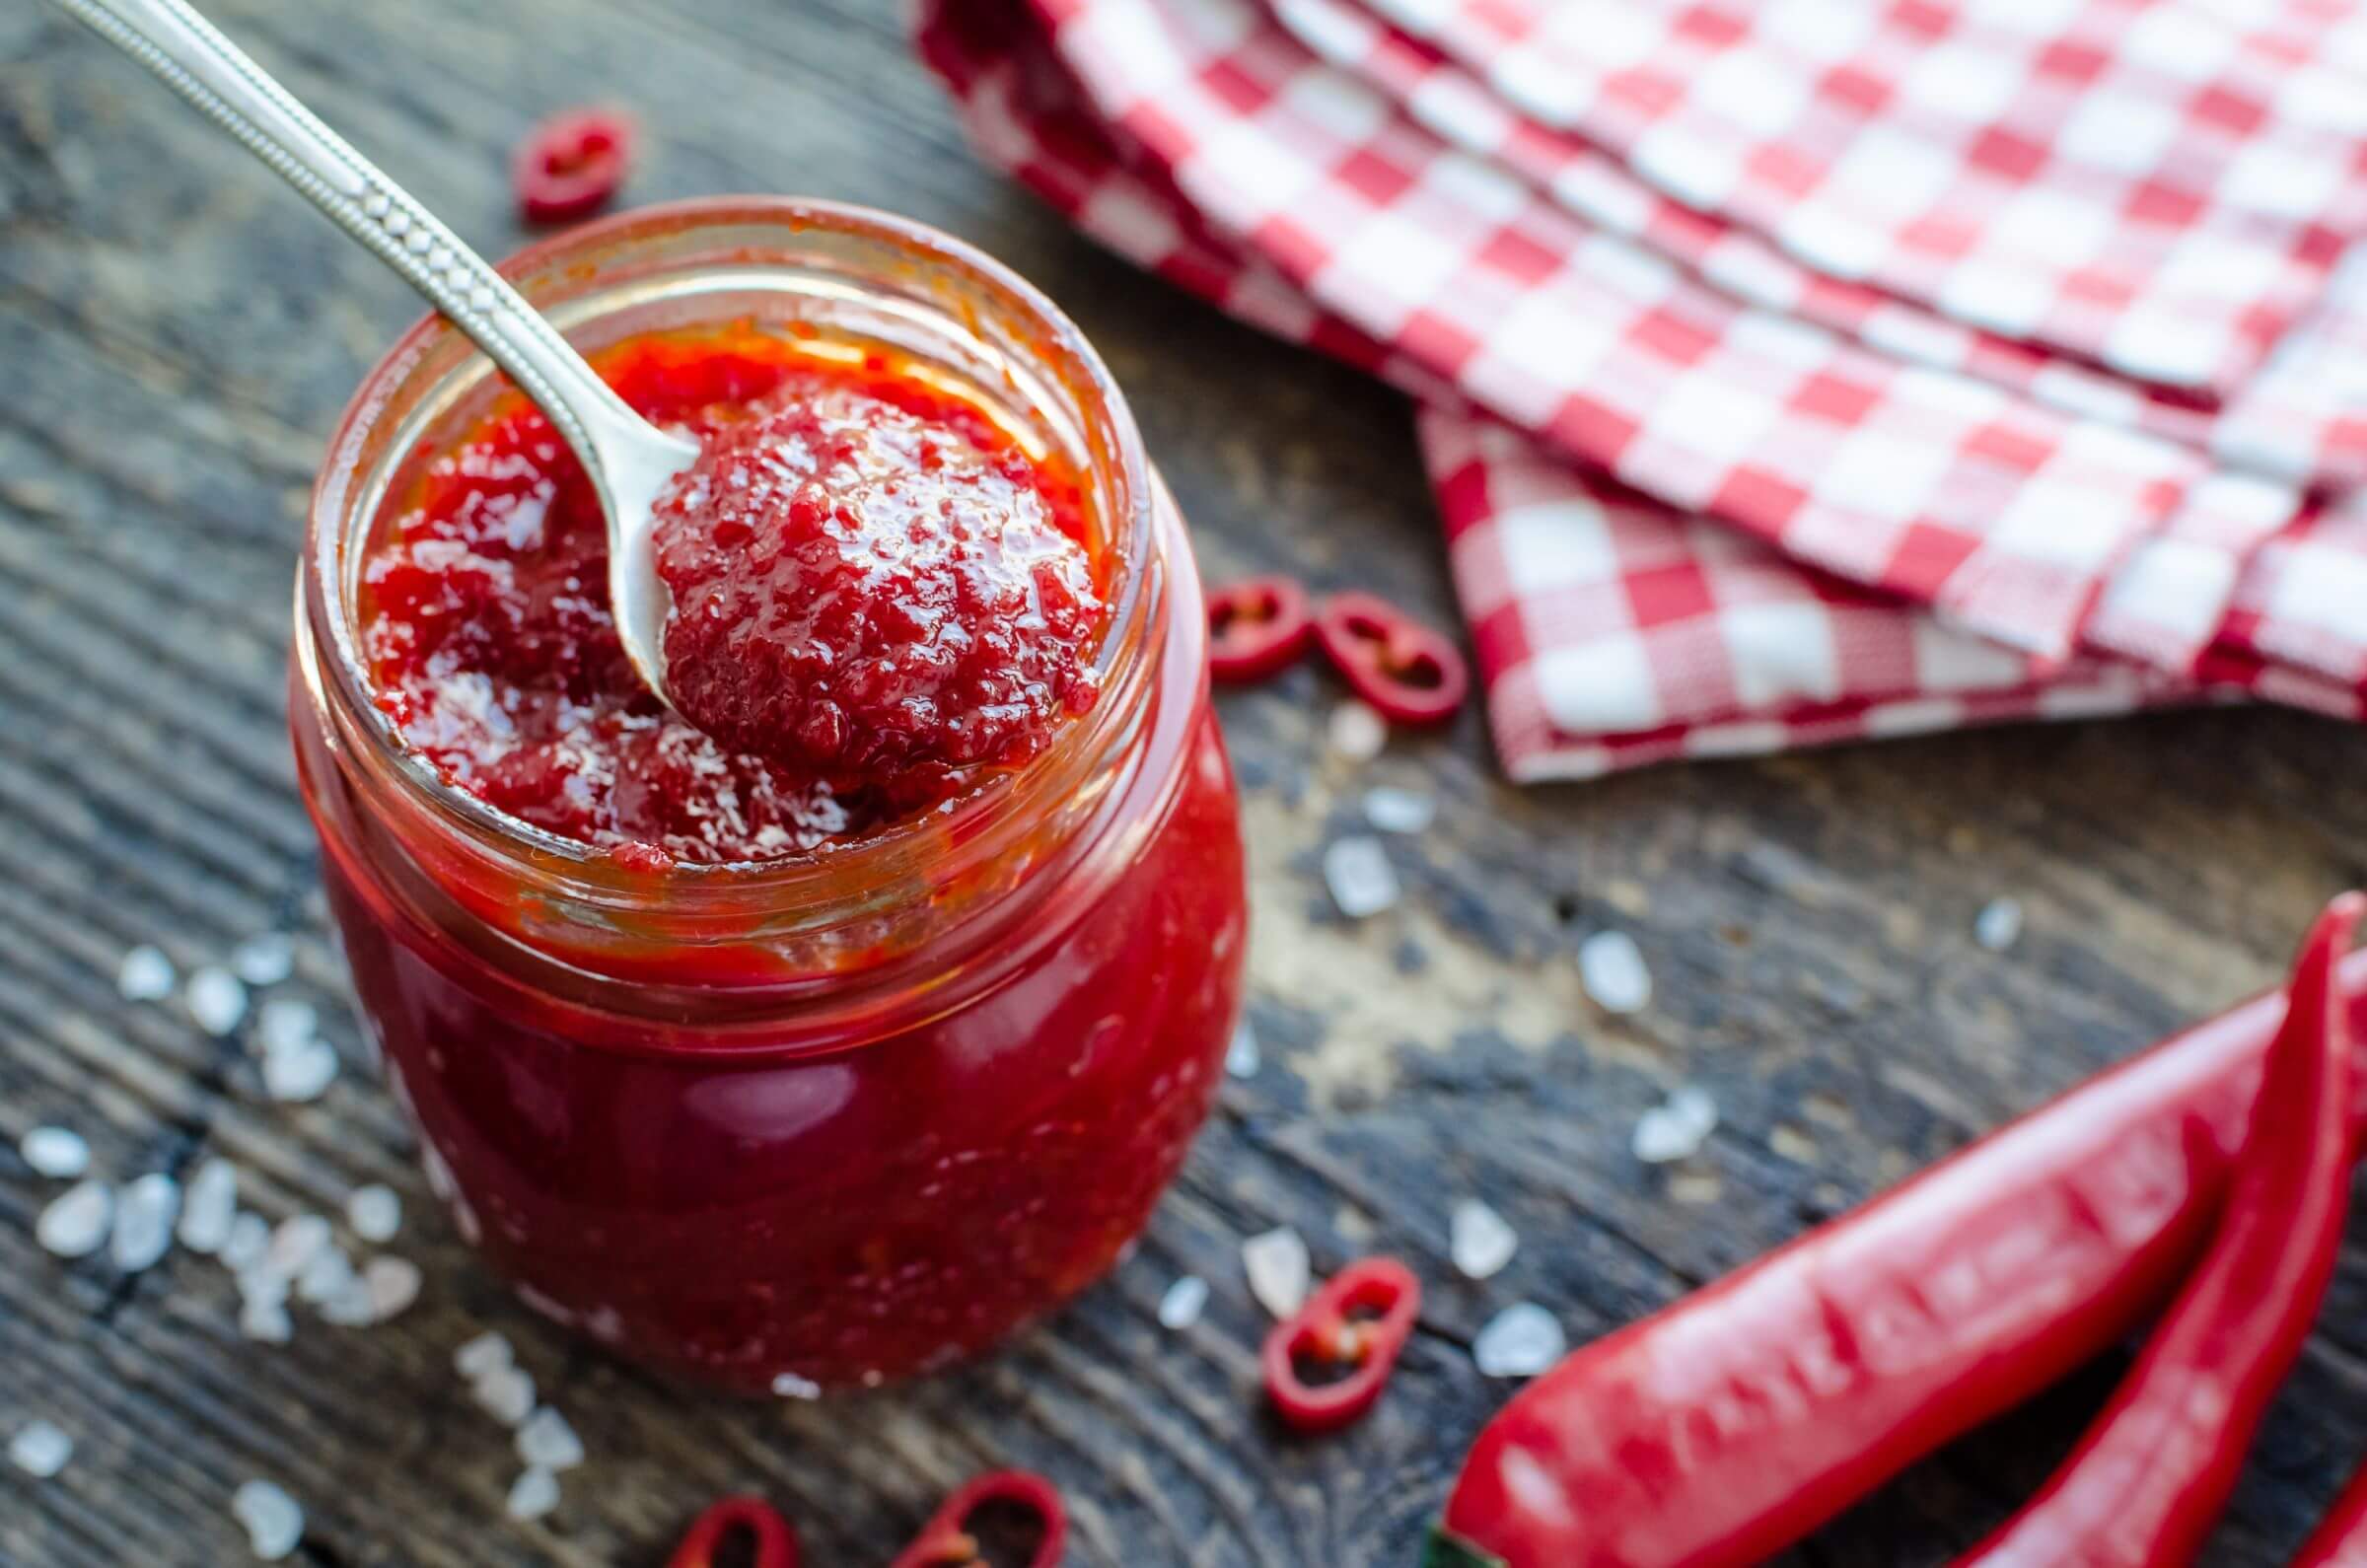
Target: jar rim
[{"x": 593, "y": 875}]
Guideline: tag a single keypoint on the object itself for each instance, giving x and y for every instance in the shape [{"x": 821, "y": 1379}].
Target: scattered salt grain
[
  {"x": 1611, "y": 969},
  {"x": 274, "y": 1524},
  {"x": 1356, "y": 732},
  {"x": 1521, "y": 1341},
  {"x": 1399, "y": 811},
  {"x": 1998, "y": 925},
  {"x": 217, "y": 1000},
  {"x": 1241, "y": 1055},
  {"x": 549, "y": 1442},
  {"x": 144, "y": 1216},
  {"x": 75, "y": 1224},
  {"x": 266, "y": 1321},
  {"x": 392, "y": 1284},
  {"x": 1357, "y": 871},
  {"x": 789, "y": 1385},
  {"x": 375, "y": 1212},
  {"x": 352, "y": 1307},
  {"x": 249, "y": 1239},
  {"x": 483, "y": 1356},
  {"x": 144, "y": 976},
  {"x": 324, "y": 1275},
  {"x": 39, "y": 1449},
  {"x": 533, "y": 1494},
  {"x": 506, "y": 1393},
  {"x": 56, "y": 1152},
  {"x": 285, "y": 1023},
  {"x": 301, "y": 1075},
  {"x": 265, "y": 959},
  {"x": 1479, "y": 1240},
  {"x": 1675, "y": 1131},
  {"x": 1278, "y": 1269},
  {"x": 294, "y": 1242},
  {"x": 209, "y": 1209},
  {"x": 1184, "y": 1302}
]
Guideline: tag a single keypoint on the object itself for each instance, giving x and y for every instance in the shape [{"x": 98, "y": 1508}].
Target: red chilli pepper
[
  {"x": 1403, "y": 669},
  {"x": 2340, "y": 1539},
  {"x": 1723, "y": 1428},
  {"x": 1360, "y": 1319},
  {"x": 776, "y": 1541},
  {"x": 2148, "y": 1481},
  {"x": 1257, "y": 628},
  {"x": 946, "y": 1541},
  {"x": 570, "y": 164}
]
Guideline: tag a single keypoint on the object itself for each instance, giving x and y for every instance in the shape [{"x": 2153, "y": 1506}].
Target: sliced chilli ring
[
  {"x": 1258, "y": 627},
  {"x": 1360, "y": 1319},
  {"x": 1407, "y": 671},
  {"x": 571, "y": 164},
  {"x": 776, "y": 1541},
  {"x": 946, "y": 1540}
]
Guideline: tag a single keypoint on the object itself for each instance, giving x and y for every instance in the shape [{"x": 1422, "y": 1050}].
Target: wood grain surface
[{"x": 177, "y": 331}]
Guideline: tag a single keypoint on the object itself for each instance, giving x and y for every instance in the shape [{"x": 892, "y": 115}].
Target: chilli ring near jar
[{"x": 862, "y": 1107}]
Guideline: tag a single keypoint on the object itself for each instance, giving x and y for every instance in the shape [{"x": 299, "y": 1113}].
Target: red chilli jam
[
  {"x": 880, "y": 597},
  {"x": 836, "y": 1041}
]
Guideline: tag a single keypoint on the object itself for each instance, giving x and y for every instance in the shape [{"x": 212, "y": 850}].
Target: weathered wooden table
[{"x": 178, "y": 332}]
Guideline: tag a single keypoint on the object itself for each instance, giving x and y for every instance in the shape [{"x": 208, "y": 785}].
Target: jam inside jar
[{"x": 864, "y": 1101}]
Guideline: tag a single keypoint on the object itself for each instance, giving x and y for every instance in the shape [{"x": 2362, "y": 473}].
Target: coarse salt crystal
[
  {"x": 1241, "y": 1053},
  {"x": 56, "y": 1152},
  {"x": 789, "y": 1385},
  {"x": 1180, "y": 1307},
  {"x": 439, "y": 1175},
  {"x": 301, "y": 1075},
  {"x": 1478, "y": 1240},
  {"x": 209, "y": 1209},
  {"x": 274, "y": 1524},
  {"x": 375, "y": 1212},
  {"x": 1676, "y": 1129},
  {"x": 144, "y": 976},
  {"x": 250, "y": 1238},
  {"x": 285, "y": 1023},
  {"x": 265, "y": 959},
  {"x": 75, "y": 1224},
  {"x": 325, "y": 1274},
  {"x": 41, "y": 1449},
  {"x": 1399, "y": 811},
  {"x": 144, "y": 1215},
  {"x": 1611, "y": 969},
  {"x": 259, "y": 1284},
  {"x": 547, "y": 1440},
  {"x": 392, "y": 1284},
  {"x": 265, "y": 1321},
  {"x": 1521, "y": 1341},
  {"x": 1279, "y": 1271},
  {"x": 1356, "y": 732},
  {"x": 532, "y": 1495},
  {"x": 506, "y": 1393},
  {"x": 480, "y": 1357},
  {"x": 1357, "y": 871},
  {"x": 217, "y": 999},
  {"x": 295, "y": 1241},
  {"x": 352, "y": 1307},
  {"x": 1998, "y": 925}
]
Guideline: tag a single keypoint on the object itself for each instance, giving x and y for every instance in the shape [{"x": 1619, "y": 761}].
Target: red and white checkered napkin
[{"x": 1792, "y": 372}]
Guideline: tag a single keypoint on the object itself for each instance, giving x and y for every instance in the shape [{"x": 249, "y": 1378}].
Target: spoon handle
[{"x": 196, "y": 61}]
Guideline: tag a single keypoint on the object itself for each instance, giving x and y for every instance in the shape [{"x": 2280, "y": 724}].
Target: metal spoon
[{"x": 630, "y": 459}]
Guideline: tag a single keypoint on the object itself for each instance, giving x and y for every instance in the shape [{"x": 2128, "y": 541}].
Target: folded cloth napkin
[{"x": 1791, "y": 370}]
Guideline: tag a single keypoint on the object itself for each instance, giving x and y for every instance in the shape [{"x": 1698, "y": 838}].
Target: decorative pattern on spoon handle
[{"x": 190, "y": 56}]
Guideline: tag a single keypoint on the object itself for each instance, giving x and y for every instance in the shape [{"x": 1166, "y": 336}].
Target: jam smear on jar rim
[{"x": 883, "y": 598}]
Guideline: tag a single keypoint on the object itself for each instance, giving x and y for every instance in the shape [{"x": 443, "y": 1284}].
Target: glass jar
[{"x": 829, "y": 1119}]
